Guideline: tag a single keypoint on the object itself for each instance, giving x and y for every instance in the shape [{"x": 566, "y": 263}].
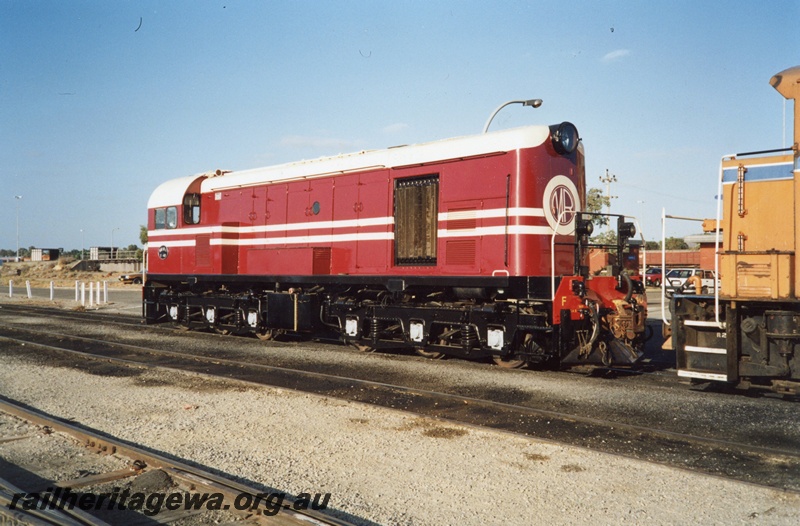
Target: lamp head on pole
[{"x": 533, "y": 103}]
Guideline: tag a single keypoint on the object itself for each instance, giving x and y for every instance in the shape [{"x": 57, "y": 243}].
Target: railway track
[
  {"x": 713, "y": 456},
  {"x": 74, "y": 315},
  {"x": 130, "y": 321},
  {"x": 78, "y": 501}
]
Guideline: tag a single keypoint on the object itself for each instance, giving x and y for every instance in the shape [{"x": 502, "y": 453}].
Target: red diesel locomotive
[{"x": 473, "y": 247}]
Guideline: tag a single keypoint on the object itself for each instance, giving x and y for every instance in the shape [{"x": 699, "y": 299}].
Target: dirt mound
[{"x": 41, "y": 273}]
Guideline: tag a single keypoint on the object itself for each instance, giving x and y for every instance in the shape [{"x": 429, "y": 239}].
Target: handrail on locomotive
[{"x": 583, "y": 229}]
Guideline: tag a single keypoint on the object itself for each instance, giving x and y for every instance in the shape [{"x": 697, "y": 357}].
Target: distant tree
[
  {"x": 143, "y": 234},
  {"x": 608, "y": 237},
  {"x": 132, "y": 248},
  {"x": 675, "y": 243},
  {"x": 652, "y": 245},
  {"x": 595, "y": 202}
]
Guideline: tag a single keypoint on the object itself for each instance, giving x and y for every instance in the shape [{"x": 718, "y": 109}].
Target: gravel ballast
[{"x": 383, "y": 466}]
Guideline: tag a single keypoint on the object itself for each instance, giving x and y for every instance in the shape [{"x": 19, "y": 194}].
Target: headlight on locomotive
[
  {"x": 565, "y": 137},
  {"x": 585, "y": 227},
  {"x": 626, "y": 230}
]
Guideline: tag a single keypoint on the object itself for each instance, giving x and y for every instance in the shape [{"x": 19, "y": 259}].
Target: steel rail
[
  {"x": 452, "y": 400},
  {"x": 36, "y": 517},
  {"x": 50, "y": 312}
]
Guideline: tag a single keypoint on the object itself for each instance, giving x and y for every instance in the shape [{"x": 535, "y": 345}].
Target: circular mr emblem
[
  {"x": 560, "y": 202},
  {"x": 163, "y": 252}
]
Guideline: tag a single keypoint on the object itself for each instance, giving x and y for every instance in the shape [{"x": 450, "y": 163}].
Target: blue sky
[{"x": 102, "y": 101}]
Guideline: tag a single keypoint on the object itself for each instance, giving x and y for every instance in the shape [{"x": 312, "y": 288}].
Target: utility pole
[{"x": 608, "y": 179}]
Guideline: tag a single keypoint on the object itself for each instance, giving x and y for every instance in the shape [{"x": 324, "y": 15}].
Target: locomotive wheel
[
  {"x": 431, "y": 355},
  {"x": 508, "y": 364},
  {"x": 266, "y": 334}
]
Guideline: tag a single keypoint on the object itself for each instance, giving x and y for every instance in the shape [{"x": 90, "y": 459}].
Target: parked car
[
  {"x": 652, "y": 276},
  {"x": 135, "y": 278},
  {"x": 676, "y": 280}
]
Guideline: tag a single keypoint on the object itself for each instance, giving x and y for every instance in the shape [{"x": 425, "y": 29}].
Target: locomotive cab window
[
  {"x": 191, "y": 209},
  {"x": 166, "y": 217},
  {"x": 416, "y": 212},
  {"x": 160, "y": 218},
  {"x": 172, "y": 217}
]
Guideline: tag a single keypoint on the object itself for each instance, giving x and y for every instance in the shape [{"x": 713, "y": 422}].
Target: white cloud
[
  {"x": 395, "y": 128},
  {"x": 616, "y": 55}
]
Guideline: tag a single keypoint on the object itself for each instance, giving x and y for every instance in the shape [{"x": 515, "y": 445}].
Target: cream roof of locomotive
[
  {"x": 171, "y": 192},
  {"x": 459, "y": 147}
]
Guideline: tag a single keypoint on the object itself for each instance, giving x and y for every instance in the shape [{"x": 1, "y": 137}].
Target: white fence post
[
  {"x": 105, "y": 292},
  {"x": 98, "y": 293},
  {"x": 76, "y": 290},
  {"x": 83, "y": 293},
  {"x": 11, "y": 288},
  {"x": 91, "y": 294},
  {"x": 52, "y": 291},
  {"x": 28, "y": 286}
]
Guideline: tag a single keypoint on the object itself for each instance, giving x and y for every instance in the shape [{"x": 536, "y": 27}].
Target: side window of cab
[
  {"x": 160, "y": 218},
  {"x": 191, "y": 209},
  {"x": 166, "y": 217},
  {"x": 172, "y": 217}
]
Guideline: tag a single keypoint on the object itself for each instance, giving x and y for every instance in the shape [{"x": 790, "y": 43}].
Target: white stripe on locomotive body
[
  {"x": 300, "y": 240},
  {"x": 344, "y": 223},
  {"x": 497, "y": 231},
  {"x": 357, "y": 223},
  {"x": 256, "y": 229},
  {"x": 361, "y": 236},
  {"x": 175, "y": 243},
  {"x": 490, "y": 213}
]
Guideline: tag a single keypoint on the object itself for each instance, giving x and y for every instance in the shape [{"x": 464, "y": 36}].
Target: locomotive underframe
[
  {"x": 506, "y": 318},
  {"x": 756, "y": 343}
]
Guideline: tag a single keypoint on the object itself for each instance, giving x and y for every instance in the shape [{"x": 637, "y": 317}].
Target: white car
[{"x": 675, "y": 280}]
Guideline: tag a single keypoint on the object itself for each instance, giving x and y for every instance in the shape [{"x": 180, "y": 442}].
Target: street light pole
[
  {"x": 18, "y": 199},
  {"x": 83, "y": 244},
  {"x": 533, "y": 103}
]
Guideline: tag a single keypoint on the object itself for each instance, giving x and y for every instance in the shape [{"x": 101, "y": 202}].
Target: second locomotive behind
[
  {"x": 474, "y": 247},
  {"x": 748, "y": 332}
]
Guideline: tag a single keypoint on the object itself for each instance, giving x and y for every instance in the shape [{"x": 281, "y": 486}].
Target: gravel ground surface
[
  {"x": 54, "y": 456},
  {"x": 389, "y": 467},
  {"x": 384, "y": 466}
]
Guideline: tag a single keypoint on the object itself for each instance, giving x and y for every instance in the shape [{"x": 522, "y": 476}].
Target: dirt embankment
[{"x": 41, "y": 273}]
